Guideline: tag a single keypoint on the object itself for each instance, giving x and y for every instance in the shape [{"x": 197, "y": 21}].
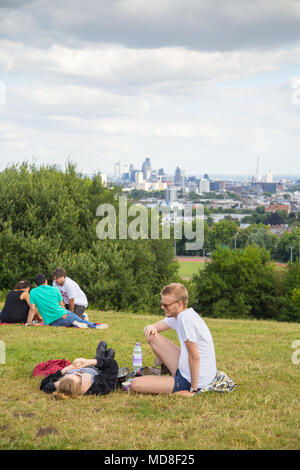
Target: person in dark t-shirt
[{"x": 16, "y": 307}]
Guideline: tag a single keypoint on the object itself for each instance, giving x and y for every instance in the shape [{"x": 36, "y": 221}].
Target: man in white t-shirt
[
  {"x": 193, "y": 364},
  {"x": 74, "y": 298}
]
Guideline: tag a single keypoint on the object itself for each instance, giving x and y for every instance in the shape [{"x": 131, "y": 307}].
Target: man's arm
[
  {"x": 194, "y": 362},
  {"x": 61, "y": 303},
  {"x": 71, "y": 305},
  {"x": 31, "y": 314},
  {"x": 157, "y": 327}
]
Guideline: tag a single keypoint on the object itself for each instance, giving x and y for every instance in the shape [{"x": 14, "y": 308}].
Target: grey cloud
[
  {"x": 11, "y": 4},
  {"x": 198, "y": 25}
]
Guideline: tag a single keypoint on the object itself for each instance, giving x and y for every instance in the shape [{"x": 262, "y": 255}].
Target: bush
[{"x": 243, "y": 284}]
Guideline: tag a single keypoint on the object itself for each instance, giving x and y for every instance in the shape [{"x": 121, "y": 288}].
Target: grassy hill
[{"x": 262, "y": 413}]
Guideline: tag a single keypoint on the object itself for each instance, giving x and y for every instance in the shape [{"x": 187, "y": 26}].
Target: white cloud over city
[{"x": 206, "y": 85}]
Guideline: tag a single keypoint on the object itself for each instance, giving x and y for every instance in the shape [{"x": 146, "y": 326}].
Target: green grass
[
  {"x": 262, "y": 413},
  {"x": 188, "y": 268}
]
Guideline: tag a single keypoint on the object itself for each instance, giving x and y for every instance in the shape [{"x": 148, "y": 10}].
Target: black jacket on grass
[{"x": 105, "y": 382}]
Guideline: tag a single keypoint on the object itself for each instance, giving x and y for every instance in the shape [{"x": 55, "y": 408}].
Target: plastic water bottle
[{"x": 137, "y": 358}]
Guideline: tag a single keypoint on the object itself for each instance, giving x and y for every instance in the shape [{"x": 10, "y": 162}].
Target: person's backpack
[{"x": 43, "y": 369}]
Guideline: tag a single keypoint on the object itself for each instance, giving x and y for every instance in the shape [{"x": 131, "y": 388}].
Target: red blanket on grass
[{"x": 43, "y": 369}]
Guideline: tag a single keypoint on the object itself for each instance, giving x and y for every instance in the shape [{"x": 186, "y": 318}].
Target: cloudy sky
[{"x": 206, "y": 84}]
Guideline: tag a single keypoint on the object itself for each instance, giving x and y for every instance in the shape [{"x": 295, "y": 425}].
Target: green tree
[
  {"x": 283, "y": 250},
  {"x": 222, "y": 233},
  {"x": 260, "y": 235},
  {"x": 237, "y": 284}
]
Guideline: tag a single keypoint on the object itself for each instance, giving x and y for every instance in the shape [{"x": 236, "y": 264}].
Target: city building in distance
[{"x": 155, "y": 186}]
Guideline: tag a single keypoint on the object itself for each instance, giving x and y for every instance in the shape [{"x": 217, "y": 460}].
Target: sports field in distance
[{"x": 188, "y": 267}]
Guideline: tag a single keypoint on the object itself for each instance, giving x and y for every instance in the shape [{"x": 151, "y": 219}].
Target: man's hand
[{"x": 150, "y": 330}]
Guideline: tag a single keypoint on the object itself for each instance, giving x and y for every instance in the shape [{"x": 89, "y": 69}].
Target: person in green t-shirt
[{"x": 49, "y": 302}]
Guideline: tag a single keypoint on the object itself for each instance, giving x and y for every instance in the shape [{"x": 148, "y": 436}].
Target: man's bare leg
[
  {"x": 166, "y": 351},
  {"x": 169, "y": 354},
  {"x": 152, "y": 384}
]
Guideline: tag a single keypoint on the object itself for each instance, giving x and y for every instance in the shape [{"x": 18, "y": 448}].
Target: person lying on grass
[
  {"x": 193, "y": 365},
  {"x": 96, "y": 376}
]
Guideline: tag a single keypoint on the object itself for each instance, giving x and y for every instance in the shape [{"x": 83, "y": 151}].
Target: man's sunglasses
[{"x": 168, "y": 305}]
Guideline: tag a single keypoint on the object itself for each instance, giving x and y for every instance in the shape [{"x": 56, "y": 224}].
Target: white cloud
[{"x": 183, "y": 82}]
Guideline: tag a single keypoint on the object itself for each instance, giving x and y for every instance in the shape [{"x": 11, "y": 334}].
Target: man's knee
[{"x": 151, "y": 338}]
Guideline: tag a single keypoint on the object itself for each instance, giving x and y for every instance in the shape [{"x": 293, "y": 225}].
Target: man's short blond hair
[{"x": 179, "y": 292}]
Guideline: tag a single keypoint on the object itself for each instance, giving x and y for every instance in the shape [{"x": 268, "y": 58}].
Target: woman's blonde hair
[
  {"x": 67, "y": 388},
  {"x": 178, "y": 291}
]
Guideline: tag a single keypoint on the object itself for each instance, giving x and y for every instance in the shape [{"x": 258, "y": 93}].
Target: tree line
[
  {"x": 48, "y": 219},
  {"x": 228, "y": 234}
]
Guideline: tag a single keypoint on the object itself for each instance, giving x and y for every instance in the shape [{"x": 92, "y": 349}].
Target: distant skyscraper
[
  {"x": 179, "y": 176},
  {"x": 217, "y": 185},
  {"x": 258, "y": 175},
  {"x": 125, "y": 172},
  {"x": 139, "y": 177},
  {"x": 269, "y": 177},
  {"x": 118, "y": 170},
  {"x": 104, "y": 179},
  {"x": 146, "y": 169},
  {"x": 204, "y": 186},
  {"x": 131, "y": 172},
  {"x": 171, "y": 194}
]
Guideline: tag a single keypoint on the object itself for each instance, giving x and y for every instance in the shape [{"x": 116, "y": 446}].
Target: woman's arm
[
  {"x": 65, "y": 369},
  {"x": 82, "y": 362}
]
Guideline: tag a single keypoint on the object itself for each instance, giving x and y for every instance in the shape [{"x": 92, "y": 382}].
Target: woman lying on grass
[{"x": 85, "y": 376}]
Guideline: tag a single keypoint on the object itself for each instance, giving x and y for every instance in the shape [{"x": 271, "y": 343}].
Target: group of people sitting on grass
[
  {"x": 62, "y": 304},
  {"x": 192, "y": 366}
]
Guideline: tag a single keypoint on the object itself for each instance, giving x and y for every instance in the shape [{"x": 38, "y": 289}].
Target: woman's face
[{"x": 84, "y": 379}]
